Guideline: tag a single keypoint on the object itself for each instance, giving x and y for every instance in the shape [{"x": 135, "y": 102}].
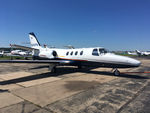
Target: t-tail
[
  {"x": 138, "y": 52},
  {"x": 34, "y": 41}
]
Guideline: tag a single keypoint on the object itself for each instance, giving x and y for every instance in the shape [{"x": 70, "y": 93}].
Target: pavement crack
[
  {"x": 23, "y": 107},
  {"x": 134, "y": 96}
]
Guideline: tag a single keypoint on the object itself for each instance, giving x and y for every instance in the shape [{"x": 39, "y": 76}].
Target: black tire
[
  {"x": 54, "y": 70},
  {"x": 33, "y": 58},
  {"x": 116, "y": 72}
]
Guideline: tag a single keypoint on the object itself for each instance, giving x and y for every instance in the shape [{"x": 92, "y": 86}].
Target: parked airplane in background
[
  {"x": 94, "y": 57},
  {"x": 1, "y": 53},
  {"x": 5, "y": 53},
  {"x": 146, "y": 53},
  {"x": 132, "y": 53},
  {"x": 19, "y": 52}
]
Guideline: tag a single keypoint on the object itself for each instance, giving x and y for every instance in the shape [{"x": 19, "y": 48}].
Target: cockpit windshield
[
  {"x": 102, "y": 50},
  {"x": 99, "y": 51}
]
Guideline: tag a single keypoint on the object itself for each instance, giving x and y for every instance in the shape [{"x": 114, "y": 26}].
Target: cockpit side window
[
  {"x": 76, "y": 52},
  {"x": 102, "y": 51},
  {"x": 71, "y": 53},
  {"x": 81, "y": 53},
  {"x": 95, "y": 52}
]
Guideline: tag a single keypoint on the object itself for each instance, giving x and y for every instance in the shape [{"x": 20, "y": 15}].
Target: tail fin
[
  {"x": 137, "y": 51},
  {"x": 33, "y": 40}
]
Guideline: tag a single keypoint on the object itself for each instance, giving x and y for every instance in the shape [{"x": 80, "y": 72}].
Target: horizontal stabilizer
[{"x": 22, "y": 47}]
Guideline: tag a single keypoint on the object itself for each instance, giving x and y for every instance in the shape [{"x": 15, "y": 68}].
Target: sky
[{"x": 113, "y": 24}]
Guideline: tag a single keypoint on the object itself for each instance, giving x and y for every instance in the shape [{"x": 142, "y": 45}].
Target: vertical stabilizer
[
  {"x": 33, "y": 40},
  {"x": 138, "y": 52}
]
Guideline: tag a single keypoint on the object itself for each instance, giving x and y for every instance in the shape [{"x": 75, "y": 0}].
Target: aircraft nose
[
  {"x": 134, "y": 62},
  {"x": 138, "y": 63}
]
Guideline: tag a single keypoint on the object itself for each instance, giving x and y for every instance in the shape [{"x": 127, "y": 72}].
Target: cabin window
[
  {"x": 102, "y": 51},
  {"x": 76, "y": 52},
  {"x": 81, "y": 53},
  {"x": 67, "y": 53},
  {"x": 71, "y": 53},
  {"x": 95, "y": 52}
]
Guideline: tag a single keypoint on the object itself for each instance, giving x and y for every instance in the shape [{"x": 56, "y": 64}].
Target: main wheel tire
[
  {"x": 116, "y": 72},
  {"x": 53, "y": 70}
]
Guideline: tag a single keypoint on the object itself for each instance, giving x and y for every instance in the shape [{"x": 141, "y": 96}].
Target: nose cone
[
  {"x": 134, "y": 62},
  {"x": 129, "y": 62}
]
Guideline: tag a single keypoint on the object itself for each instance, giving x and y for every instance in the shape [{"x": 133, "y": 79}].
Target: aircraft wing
[
  {"x": 22, "y": 47},
  {"x": 37, "y": 61}
]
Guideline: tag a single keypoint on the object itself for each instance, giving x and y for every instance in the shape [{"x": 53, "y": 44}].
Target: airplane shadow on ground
[
  {"x": 62, "y": 71},
  {"x": 38, "y": 67},
  {"x": 2, "y": 90},
  {"x": 121, "y": 75}
]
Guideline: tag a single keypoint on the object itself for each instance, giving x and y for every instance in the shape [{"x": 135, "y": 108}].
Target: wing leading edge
[{"x": 36, "y": 61}]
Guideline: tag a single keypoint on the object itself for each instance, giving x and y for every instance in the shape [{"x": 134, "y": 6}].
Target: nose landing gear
[{"x": 116, "y": 72}]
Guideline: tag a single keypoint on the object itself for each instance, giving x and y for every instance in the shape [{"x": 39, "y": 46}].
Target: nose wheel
[{"x": 116, "y": 72}]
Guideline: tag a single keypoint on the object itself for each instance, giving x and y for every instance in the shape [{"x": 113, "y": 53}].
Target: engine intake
[{"x": 54, "y": 53}]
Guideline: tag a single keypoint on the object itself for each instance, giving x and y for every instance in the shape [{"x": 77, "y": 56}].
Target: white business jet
[
  {"x": 132, "y": 53},
  {"x": 1, "y": 53},
  {"x": 94, "y": 57},
  {"x": 146, "y": 53},
  {"x": 19, "y": 52}
]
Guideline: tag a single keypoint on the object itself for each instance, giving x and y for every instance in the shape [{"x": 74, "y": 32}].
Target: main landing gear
[
  {"x": 79, "y": 66},
  {"x": 52, "y": 68},
  {"x": 116, "y": 72}
]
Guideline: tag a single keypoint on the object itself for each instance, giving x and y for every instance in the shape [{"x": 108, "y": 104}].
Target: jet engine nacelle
[{"x": 48, "y": 54}]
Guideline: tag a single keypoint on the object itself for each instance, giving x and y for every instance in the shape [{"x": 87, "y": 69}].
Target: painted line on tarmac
[{"x": 137, "y": 72}]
